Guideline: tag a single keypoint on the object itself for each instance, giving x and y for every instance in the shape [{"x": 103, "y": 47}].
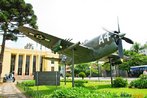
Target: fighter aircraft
[{"x": 95, "y": 49}]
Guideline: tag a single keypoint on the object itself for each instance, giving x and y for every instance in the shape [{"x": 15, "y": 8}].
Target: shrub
[
  {"x": 120, "y": 82},
  {"x": 80, "y": 92},
  {"x": 134, "y": 84},
  {"x": 125, "y": 95},
  {"x": 80, "y": 83},
  {"x": 70, "y": 93},
  {"x": 28, "y": 83},
  {"x": 139, "y": 83},
  {"x": 82, "y": 74},
  {"x": 142, "y": 76}
]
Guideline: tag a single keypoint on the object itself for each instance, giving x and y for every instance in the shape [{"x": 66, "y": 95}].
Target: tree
[
  {"x": 135, "y": 59},
  {"x": 14, "y": 13},
  {"x": 136, "y": 47},
  {"x": 82, "y": 68},
  {"x": 82, "y": 75}
]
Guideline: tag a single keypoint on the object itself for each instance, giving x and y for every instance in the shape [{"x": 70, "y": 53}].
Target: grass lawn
[
  {"x": 106, "y": 87},
  {"x": 127, "y": 90},
  {"x": 92, "y": 86}
]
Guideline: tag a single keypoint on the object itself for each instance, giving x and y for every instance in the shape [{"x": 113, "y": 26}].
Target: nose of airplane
[{"x": 121, "y": 35}]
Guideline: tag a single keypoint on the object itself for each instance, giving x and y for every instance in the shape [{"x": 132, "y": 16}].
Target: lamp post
[
  {"x": 64, "y": 60},
  {"x": 112, "y": 59},
  {"x": 90, "y": 72},
  {"x": 98, "y": 72}
]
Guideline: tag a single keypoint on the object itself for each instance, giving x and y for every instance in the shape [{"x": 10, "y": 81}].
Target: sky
[{"x": 85, "y": 19}]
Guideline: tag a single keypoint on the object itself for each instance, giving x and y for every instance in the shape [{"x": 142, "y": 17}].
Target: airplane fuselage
[{"x": 102, "y": 46}]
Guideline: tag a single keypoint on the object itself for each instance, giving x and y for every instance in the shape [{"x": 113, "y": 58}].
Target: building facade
[{"x": 25, "y": 62}]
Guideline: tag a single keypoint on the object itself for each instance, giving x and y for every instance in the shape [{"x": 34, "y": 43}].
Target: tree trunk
[{"x": 2, "y": 51}]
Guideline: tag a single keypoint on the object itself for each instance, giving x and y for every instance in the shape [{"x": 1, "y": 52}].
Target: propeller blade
[
  {"x": 120, "y": 48},
  {"x": 118, "y": 25},
  {"x": 114, "y": 33},
  {"x": 106, "y": 30},
  {"x": 128, "y": 40}
]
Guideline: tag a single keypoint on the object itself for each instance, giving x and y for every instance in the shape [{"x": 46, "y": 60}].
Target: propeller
[{"x": 119, "y": 37}]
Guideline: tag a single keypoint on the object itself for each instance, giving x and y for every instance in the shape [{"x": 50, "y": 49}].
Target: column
[
  {"x": 24, "y": 65},
  {"x": 16, "y": 65},
  {"x": 43, "y": 65},
  {"x": 37, "y": 62},
  {"x": 31, "y": 65}
]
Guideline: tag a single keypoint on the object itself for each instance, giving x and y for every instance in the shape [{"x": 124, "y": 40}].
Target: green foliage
[
  {"x": 82, "y": 68},
  {"x": 91, "y": 90},
  {"x": 119, "y": 82},
  {"x": 86, "y": 68},
  {"x": 68, "y": 75},
  {"x": 94, "y": 72},
  {"x": 14, "y": 13},
  {"x": 82, "y": 74},
  {"x": 80, "y": 92},
  {"x": 80, "y": 83},
  {"x": 125, "y": 95},
  {"x": 139, "y": 83},
  {"x": 76, "y": 81},
  {"x": 28, "y": 83},
  {"x": 67, "y": 80},
  {"x": 143, "y": 77},
  {"x": 135, "y": 84},
  {"x": 70, "y": 92},
  {"x": 136, "y": 47},
  {"x": 106, "y": 66},
  {"x": 135, "y": 59}
]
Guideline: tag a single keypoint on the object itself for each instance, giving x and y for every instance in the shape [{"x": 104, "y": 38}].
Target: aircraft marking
[
  {"x": 103, "y": 37},
  {"x": 39, "y": 36}
]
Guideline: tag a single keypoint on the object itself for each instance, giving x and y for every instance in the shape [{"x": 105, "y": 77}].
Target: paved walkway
[{"x": 9, "y": 90}]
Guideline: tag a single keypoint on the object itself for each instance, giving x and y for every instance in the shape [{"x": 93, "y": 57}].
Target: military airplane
[{"x": 95, "y": 49}]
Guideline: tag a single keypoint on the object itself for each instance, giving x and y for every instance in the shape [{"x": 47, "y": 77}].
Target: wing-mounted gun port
[{"x": 57, "y": 47}]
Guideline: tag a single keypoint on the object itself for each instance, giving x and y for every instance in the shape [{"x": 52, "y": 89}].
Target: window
[
  {"x": 12, "y": 67},
  {"x": 27, "y": 65},
  {"x": 34, "y": 64},
  {"x": 20, "y": 61},
  {"x": 52, "y": 62}
]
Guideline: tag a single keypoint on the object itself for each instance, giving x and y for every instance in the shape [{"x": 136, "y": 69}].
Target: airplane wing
[
  {"x": 56, "y": 44},
  {"x": 46, "y": 40}
]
